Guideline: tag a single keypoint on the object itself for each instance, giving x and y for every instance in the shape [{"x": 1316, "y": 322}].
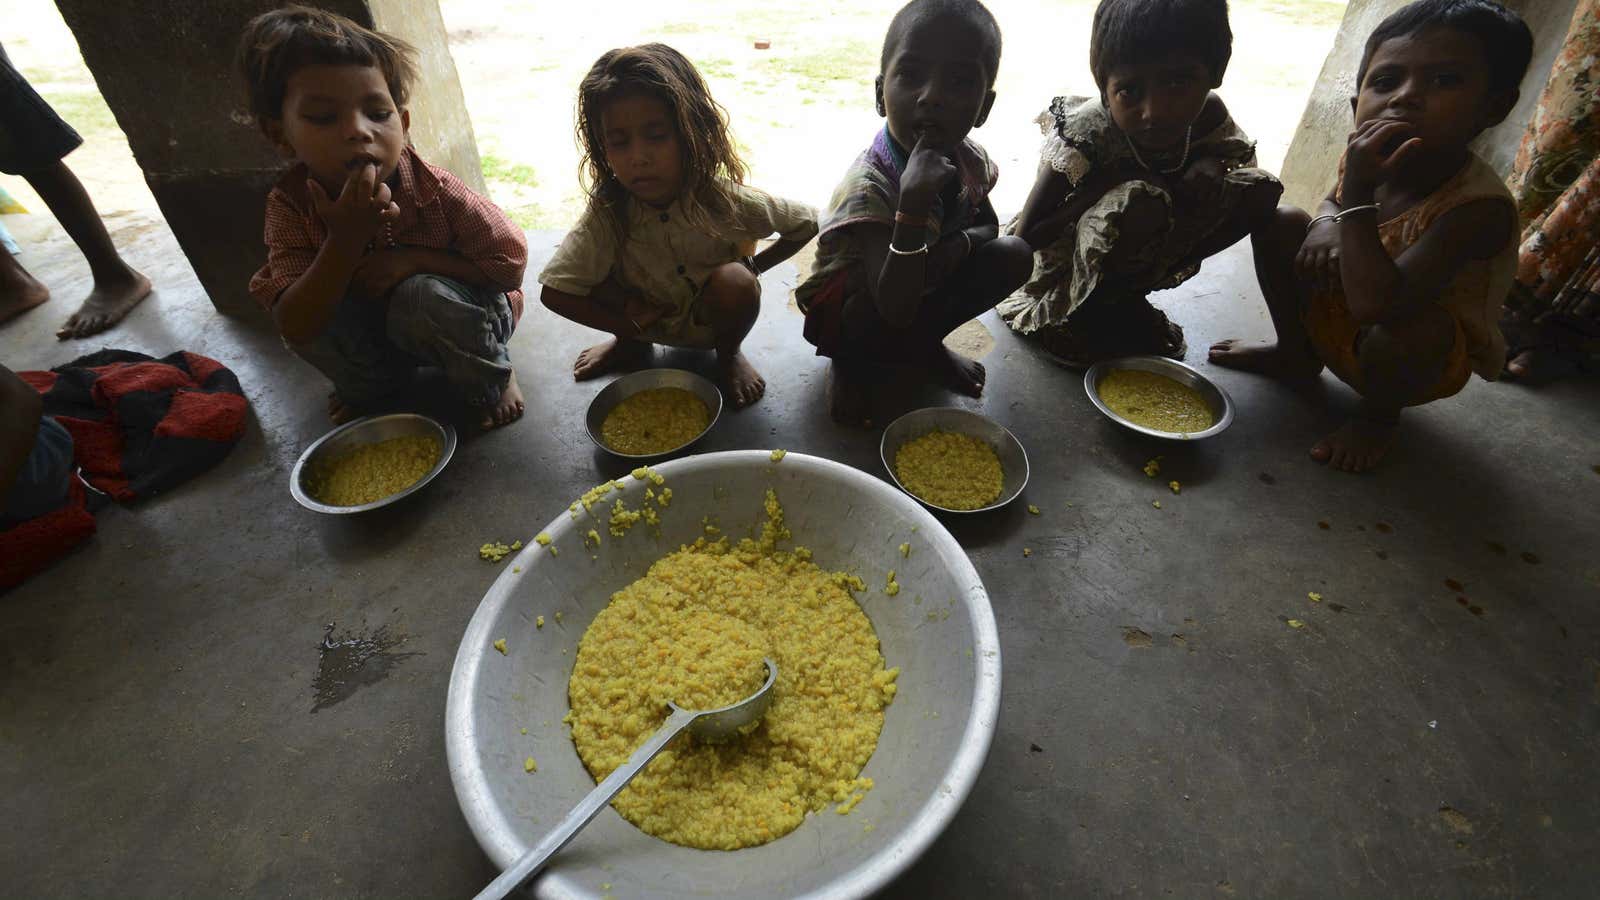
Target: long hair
[{"x": 710, "y": 162}]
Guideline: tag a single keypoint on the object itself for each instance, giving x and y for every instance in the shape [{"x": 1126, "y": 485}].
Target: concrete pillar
[
  {"x": 1312, "y": 164},
  {"x": 165, "y": 68}
]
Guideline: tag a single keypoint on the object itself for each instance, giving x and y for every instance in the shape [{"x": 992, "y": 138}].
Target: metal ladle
[{"x": 709, "y": 725}]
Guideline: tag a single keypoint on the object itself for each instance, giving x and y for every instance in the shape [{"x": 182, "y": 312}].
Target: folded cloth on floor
[{"x": 143, "y": 425}]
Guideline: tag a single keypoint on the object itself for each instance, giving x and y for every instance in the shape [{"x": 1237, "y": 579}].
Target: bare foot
[
  {"x": 1265, "y": 358},
  {"x": 848, "y": 400},
  {"x": 741, "y": 380},
  {"x": 339, "y": 411},
  {"x": 20, "y": 293},
  {"x": 508, "y": 409},
  {"x": 614, "y": 355},
  {"x": 1357, "y": 446},
  {"x": 966, "y": 376},
  {"x": 105, "y": 306}
]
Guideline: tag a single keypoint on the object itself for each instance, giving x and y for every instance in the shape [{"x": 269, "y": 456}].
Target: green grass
[
  {"x": 716, "y": 67},
  {"x": 85, "y": 111},
  {"x": 528, "y": 218},
  {"x": 497, "y": 168},
  {"x": 1303, "y": 12},
  {"x": 681, "y": 28},
  {"x": 849, "y": 61}
]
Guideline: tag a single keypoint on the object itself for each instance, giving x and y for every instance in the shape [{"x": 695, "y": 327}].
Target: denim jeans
[
  {"x": 45, "y": 477},
  {"x": 371, "y": 348}
]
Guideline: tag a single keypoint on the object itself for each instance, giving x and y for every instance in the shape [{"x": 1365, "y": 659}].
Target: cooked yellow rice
[
  {"x": 374, "y": 471},
  {"x": 694, "y": 630},
  {"x": 955, "y": 471},
  {"x": 655, "y": 421},
  {"x": 1155, "y": 401}
]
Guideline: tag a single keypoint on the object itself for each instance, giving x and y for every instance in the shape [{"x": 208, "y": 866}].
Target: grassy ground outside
[{"x": 800, "y": 110}]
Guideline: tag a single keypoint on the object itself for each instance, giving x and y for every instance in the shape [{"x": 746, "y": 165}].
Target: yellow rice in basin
[
  {"x": 374, "y": 471},
  {"x": 655, "y": 421},
  {"x": 1155, "y": 401},
  {"x": 955, "y": 471},
  {"x": 694, "y": 630}
]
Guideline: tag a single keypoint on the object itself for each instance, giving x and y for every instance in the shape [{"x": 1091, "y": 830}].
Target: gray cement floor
[{"x": 1163, "y": 730}]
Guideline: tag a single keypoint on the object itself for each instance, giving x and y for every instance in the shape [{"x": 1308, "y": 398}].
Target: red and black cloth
[{"x": 139, "y": 426}]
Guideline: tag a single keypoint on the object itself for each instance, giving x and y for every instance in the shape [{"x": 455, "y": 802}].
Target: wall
[
  {"x": 165, "y": 68},
  {"x": 1313, "y": 159}
]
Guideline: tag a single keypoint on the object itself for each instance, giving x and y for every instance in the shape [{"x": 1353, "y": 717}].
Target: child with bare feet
[
  {"x": 910, "y": 246},
  {"x": 662, "y": 254},
  {"x": 33, "y": 141},
  {"x": 377, "y": 261},
  {"x": 1396, "y": 284},
  {"x": 1138, "y": 186}
]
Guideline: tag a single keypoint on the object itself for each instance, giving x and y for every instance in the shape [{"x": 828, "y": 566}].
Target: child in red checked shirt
[{"x": 377, "y": 262}]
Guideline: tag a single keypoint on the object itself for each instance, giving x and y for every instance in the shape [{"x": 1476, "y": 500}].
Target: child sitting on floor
[
  {"x": 377, "y": 261},
  {"x": 1396, "y": 284},
  {"x": 662, "y": 253},
  {"x": 1137, "y": 186},
  {"x": 910, "y": 246}
]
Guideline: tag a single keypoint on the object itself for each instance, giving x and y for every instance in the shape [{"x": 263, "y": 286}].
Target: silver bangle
[
  {"x": 917, "y": 252},
  {"x": 1339, "y": 216},
  {"x": 968, "y": 238}
]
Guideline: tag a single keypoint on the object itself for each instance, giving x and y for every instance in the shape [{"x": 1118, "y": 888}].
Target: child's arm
[
  {"x": 487, "y": 250},
  {"x": 381, "y": 270},
  {"x": 304, "y": 308},
  {"x": 778, "y": 251},
  {"x": 1378, "y": 289},
  {"x": 897, "y": 279},
  {"x": 637, "y": 313},
  {"x": 1055, "y": 204}
]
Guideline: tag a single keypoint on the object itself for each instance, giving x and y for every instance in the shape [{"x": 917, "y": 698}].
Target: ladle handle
[{"x": 535, "y": 859}]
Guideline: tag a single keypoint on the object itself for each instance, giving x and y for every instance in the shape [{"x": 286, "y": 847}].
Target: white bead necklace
[{"x": 1187, "y": 134}]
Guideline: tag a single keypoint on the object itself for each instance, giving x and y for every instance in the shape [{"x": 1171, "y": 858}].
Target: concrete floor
[{"x": 1163, "y": 730}]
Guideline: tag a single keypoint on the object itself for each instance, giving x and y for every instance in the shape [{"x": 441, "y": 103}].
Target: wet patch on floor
[{"x": 349, "y": 663}]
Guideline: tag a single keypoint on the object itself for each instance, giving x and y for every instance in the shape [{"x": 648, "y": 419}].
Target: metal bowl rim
[
  {"x": 1091, "y": 379},
  {"x": 716, "y": 414},
  {"x": 923, "y": 828},
  {"x": 447, "y": 450},
  {"x": 883, "y": 456}
]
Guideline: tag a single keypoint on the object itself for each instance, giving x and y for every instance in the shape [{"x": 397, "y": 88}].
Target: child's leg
[
  {"x": 463, "y": 330},
  {"x": 19, "y": 291},
  {"x": 992, "y": 274},
  {"x": 729, "y": 302},
  {"x": 1274, "y": 246},
  {"x": 118, "y": 287},
  {"x": 622, "y": 352},
  {"x": 1402, "y": 364},
  {"x": 365, "y": 368}
]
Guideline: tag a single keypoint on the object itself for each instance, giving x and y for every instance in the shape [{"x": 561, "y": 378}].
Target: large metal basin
[{"x": 939, "y": 629}]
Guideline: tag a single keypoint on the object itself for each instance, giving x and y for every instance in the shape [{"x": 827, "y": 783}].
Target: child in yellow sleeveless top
[{"x": 1396, "y": 284}]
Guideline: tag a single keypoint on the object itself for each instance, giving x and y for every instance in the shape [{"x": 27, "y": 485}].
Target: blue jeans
[
  {"x": 45, "y": 478},
  {"x": 371, "y": 348}
]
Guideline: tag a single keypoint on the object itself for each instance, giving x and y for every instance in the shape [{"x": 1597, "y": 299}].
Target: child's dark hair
[
  {"x": 710, "y": 161},
  {"x": 279, "y": 43},
  {"x": 1127, "y": 31},
  {"x": 1507, "y": 42},
  {"x": 970, "y": 12}
]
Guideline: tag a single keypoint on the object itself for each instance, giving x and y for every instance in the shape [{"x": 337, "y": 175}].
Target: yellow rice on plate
[
  {"x": 1155, "y": 401},
  {"x": 694, "y": 630},
  {"x": 955, "y": 471},
  {"x": 374, "y": 471},
  {"x": 655, "y": 421}
]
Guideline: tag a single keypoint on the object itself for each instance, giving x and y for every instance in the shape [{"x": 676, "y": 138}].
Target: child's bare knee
[
  {"x": 1402, "y": 359},
  {"x": 1012, "y": 260},
  {"x": 732, "y": 291},
  {"x": 1261, "y": 203}
]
